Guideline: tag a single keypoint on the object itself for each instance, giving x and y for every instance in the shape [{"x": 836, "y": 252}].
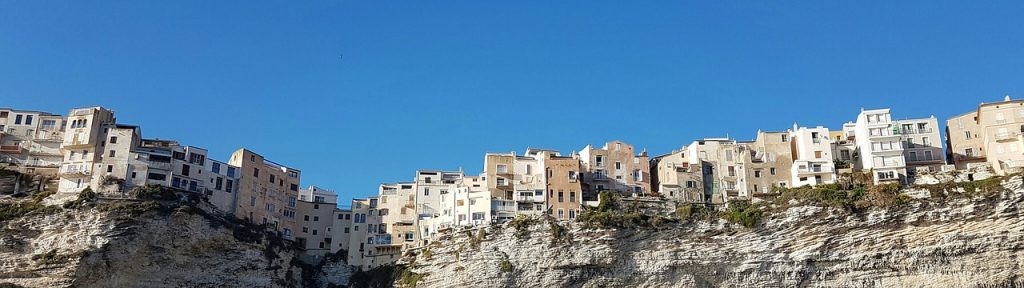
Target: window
[
  {"x": 560, "y": 196},
  {"x": 112, "y": 153},
  {"x": 346, "y": 230},
  {"x": 426, "y": 191},
  {"x": 572, "y": 175},
  {"x": 294, "y": 187},
  {"x": 572, "y": 214},
  {"x": 968, "y": 134},
  {"x": 732, "y": 171},
  {"x": 599, "y": 160},
  {"x": 252, "y": 201},
  {"x": 913, "y": 156},
  {"x": 17, "y": 119},
  {"x": 156, "y": 176},
  {"x": 771, "y": 171},
  {"x": 113, "y": 139},
  {"x": 728, "y": 155},
  {"x": 184, "y": 170},
  {"x": 691, "y": 184},
  {"x": 291, "y": 201},
  {"x": 926, "y": 142},
  {"x": 618, "y": 165},
  {"x": 501, "y": 181},
  {"x": 316, "y": 218},
  {"x": 231, "y": 171},
  {"x": 817, "y": 154},
  {"x": 561, "y": 213},
  {"x": 110, "y": 168},
  {"x": 502, "y": 168},
  {"x": 638, "y": 175},
  {"x": 272, "y": 178},
  {"x": 703, "y": 155},
  {"x": 785, "y": 138},
  {"x": 227, "y": 185},
  {"x": 928, "y": 155},
  {"x": 757, "y": 173},
  {"x": 572, "y": 196},
  {"x": 256, "y": 172},
  {"x": 28, "y": 119},
  {"x": 305, "y": 229},
  {"x": 528, "y": 169}
]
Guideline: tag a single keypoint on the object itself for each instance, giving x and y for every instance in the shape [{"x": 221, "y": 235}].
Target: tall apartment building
[
  {"x": 267, "y": 193},
  {"x": 922, "y": 143},
  {"x": 341, "y": 228},
  {"x": 473, "y": 202},
  {"x": 723, "y": 167},
  {"x": 499, "y": 176},
  {"x": 223, "y": 188},
  {"x": 84, "y": 138},
  {"x": 561, "y": 178},
  {"x": 118, "y": 165},
  {"x": 316, "y": 208},
  {"x": 673, "y": 177},
  {"x": 964, "y": 144},
  {"x": 31, "y": 140},
  {"x": 995, "y": 136},
  {"x": 812, "y": 156},
  {"x": 768, "y": 163},
  {"x": 435, "y": 201},
  {"x": 370, "y": 245},
  {"x": 879, "y": 147},
  {"x": 398, "y": 212},
  {"x": 615, "y": 167}
]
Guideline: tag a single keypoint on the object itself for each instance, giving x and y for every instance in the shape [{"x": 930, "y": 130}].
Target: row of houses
[{"x": 90, "y": 148}]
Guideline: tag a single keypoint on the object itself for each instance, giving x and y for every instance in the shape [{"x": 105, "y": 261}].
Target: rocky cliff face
[
  {"x": 127, "y": 243},
  {"x": 935, "y": 242}
]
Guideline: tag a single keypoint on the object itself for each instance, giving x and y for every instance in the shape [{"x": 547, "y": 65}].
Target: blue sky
[{"x": 355, "y": 93}]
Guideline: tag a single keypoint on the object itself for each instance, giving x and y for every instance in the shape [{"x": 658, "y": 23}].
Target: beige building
[
  {"x": 995, "y": 136},
  {"x": 398, "y": 212},
  {"x": 84, "y": 139},
  {"x": 370, "y": 245},
  {"x": 562, "y": 180},
  {"x": 341, "y": 228},
  {"x": 768, "y": 163},
  {"x": 267, "y": 193},
  {"x": 316, "y": 207},
  {"x": 615, "y": 167},
  {"x": 723, "y": 162},
  {"x": 964, "y": 143},
  {"x": 499, "y": 176},
  {"x": 673, "y": 177},
  {"x": 31, "y": 140}
]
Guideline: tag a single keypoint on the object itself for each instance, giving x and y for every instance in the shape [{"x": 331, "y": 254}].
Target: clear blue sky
[{"x": 355, "y": 93}]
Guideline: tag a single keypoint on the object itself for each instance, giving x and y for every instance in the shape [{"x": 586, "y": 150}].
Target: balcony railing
[
  {"x": 1006, "y": 136},
  {"x": 72, "y": 169},
  {"x": 822, "y": 169},
  {"x": 11, "y": 148}
]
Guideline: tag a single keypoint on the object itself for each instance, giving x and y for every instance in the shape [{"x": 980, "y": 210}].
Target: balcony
[
  {"x": 1006, "y": 136},
  {"x": 815, "y": 170},
  {"x": 49, "y": 137},
  {"x": 531, "y": 198},
  {"x": 75, "y": 170},
  {"x": 17, "y": 149}
]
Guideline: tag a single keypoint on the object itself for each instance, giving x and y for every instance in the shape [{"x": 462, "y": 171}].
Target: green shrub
[
  {"x": 410, "y": 279},
  {"x": 558, "y": 233},
  {"x": 86, "y": 198},
  {"x": 506, "y": 266},
  {"x": 743, "y": 213},
  {"x": 154, "y": 192},
  {"x": 10, "y": 285},
  {"x": 34, "y": 206},
  {"x": 522, "y": 224},
  {"x": 51, "y": 258}
]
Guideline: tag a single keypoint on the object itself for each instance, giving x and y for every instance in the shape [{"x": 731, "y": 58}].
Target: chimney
[{"x": 1006, "y": 98}]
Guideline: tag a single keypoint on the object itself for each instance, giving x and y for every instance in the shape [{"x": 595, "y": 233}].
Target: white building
[
  {"x": 922, "y": 143},
  {"x": 812, "y": 158},
  {"x": 879, "y": 147},
  {"x": 31, "y": 140}
]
